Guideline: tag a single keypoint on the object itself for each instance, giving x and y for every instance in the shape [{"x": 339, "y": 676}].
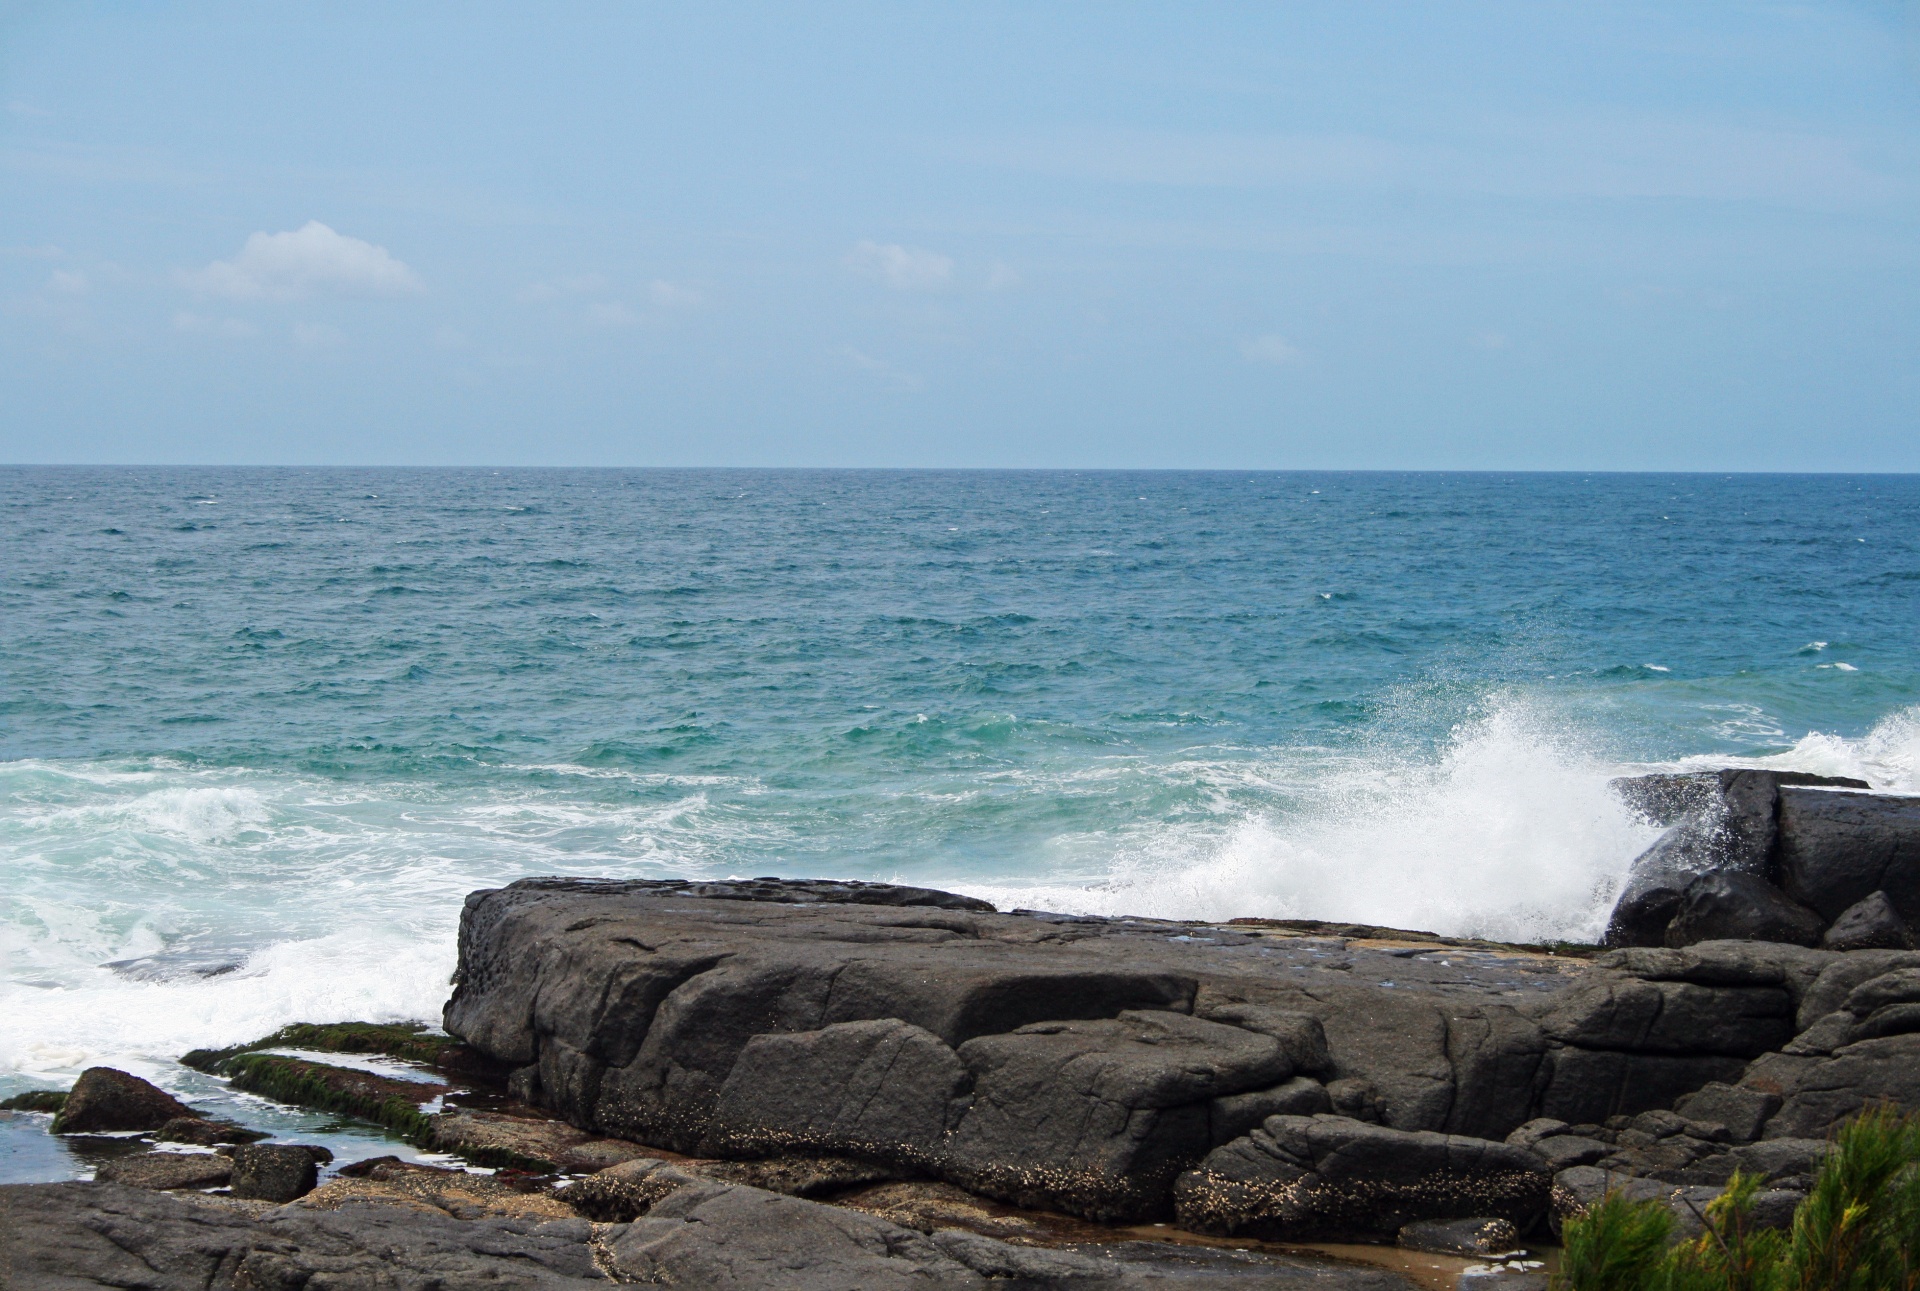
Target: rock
[
  {"x": 1728, "y": 904},
  {"x": 888, "y": 1034},
  {"x": 35, "y": 1100},
  {"x": 164, "y": 1170},
  {"x": 885, "y": 1089},
  {"x": 1231, "y": 1116},
  {"x": 927, "y": 1207},
  {"x": 389, "y": 1181},
  {"x": 1773, "y": 1159},
  {"x": 1099, "y": 1116},
  {"x": 1618, "y": 1013},
  {"x": 106, "y": 1100},
  {"x": 800, "y": 1176},
  {"x": 1541, "y": 1127},
  {"x": 1472, "y": 1237},
  {"x": 1300, "y": 1178},
  {"x": 1836, "y": 849},
  {"x": 205, "y": 1132},
  {"x": 1871, "y": 923},
  {"x": 69, "y": 1235},
  {"x": 1741, "y": 1112},
  {"x": 1302, "y": 1039},
  {"x": 277, "y": 1172},
  {"x": 1724, "y": 821},
  {"x": 1563, "y": 1150},
  {"x": 1357, "y": 1098},
  {"x": 1819, "y": 1093},
  {"x": 491, "y": 1139},
  {"x": 1503, "y": 1277}
]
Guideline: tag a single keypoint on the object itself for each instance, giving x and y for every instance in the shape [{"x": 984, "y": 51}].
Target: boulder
[
  {"x": 277, "y": 1172},
  {"x": 904, "y": 1036},
  {"x": 1837, "y": 849},
  {"x": 205, "y": 1132},
  {"x": 166, "y": 1170},
  {"x": 1100, "y": 1116},
  {"x": 1871, "y": 923},
  {"x": 1727, "y": 904},
  {"x": 1741, "y": 1112},
  {"x": 1724, "y": 821},
  {"x": 106, "y": 1100},
  {"x": 1305, "y": 1178},
  {"x": 525, "y": 1143},
  {"x": 885, "y": 1089},
  {"x": 1817, "y": 1094},
  {"x": 1468, "y": 1237}
]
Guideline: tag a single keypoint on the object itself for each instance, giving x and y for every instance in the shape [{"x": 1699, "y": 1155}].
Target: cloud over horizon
[
  {"x": 302, "y": 262},
  {"x": 902, "y": 268}
]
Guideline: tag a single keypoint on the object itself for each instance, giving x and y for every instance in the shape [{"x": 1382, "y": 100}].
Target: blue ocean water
[{"x": 263, "y": 729}]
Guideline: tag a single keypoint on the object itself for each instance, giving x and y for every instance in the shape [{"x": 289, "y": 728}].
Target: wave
[
  {"x": 1510, "y": 833},
  {"x": 153, "y": 906}
]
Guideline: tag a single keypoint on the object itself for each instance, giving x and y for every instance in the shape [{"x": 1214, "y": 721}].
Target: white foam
[{"x": 1510, "y": 832}]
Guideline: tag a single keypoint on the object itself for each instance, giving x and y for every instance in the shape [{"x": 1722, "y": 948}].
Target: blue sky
[{"x": 1415, "y": 235}]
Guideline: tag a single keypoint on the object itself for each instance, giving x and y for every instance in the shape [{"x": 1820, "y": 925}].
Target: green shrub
[{"x": 1857, "y": 1230}]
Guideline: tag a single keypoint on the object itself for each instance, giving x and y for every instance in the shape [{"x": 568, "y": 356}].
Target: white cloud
[
  {"x": 611, "y": 313},
  {"x": 68, "y": 283},
  {"x": 449, "y": 338},
  {"x": 317, "y": 336},
  {"x": 297, "y": 264},
  {"x": 668, "y": 296},
  {"x": 1277, "y": 351},
  {"x": 903, "y": 268},
  {"x": 1488, "y": 340},
  {"x": 579, "y": 284},
  {"x": 20, "y": 109},
  {"x": 1003, "y": 277},
  {"x": 888, "y": 373},
  {"x": 232, "y": 329}
]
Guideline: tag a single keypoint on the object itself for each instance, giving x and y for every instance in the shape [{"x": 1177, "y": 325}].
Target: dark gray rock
[
  {"x": 1236, "y": 1114},
  {"x": 1470, "y": 1237},
  {"x": 1723, "y": 821},
  {"x": 1742, "y": 1112},
  {"x": 1564, "y": 1150},
  {"x": 884, "y": 1089},
  {"x": 1591, "y": 1085},
  {"x": 1630, "y": 1014},
  {"x": 1836, "y": 849},
  {"x": 1541, "y": 1127},
  {"x": 1842, "y": 973},
  {"x": 753, "y": 1026},
  {"x": 1332, "y": 1178},
  {"x": 1871, "y": 923},
  {"x": 1729, "y": 904},
  {"x": 166, "y": 1170},
  {"x": 279, "y": 1172},
  {"x": 1099, "y": 1116},
  {"x": 62, "y": 1237},
  {"x": 1819, "y": 1093},
  {"x": 204, "y": 1132},
  {"x": 106, "y": 1100},
  {"x": 1773, "y": 1159}
]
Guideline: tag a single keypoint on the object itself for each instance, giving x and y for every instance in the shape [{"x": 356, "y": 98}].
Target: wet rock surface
[
  {"x": 694, "y": 1233},
  {"x": 108, "y": 1100},
  {"x": 1088, "y": 1065}
]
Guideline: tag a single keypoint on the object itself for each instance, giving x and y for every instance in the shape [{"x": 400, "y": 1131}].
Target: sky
[{"x": 1507, "y": 236}]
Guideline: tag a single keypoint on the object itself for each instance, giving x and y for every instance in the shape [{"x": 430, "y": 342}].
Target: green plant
[{"x": 1857, "y": 1230}]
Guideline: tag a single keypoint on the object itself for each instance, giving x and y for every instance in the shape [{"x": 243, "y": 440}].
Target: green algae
[
  {"x": 407, "y": 1041},
  {"x": 394, "y": 1104},
  {"x": 35, "y": 1100}
]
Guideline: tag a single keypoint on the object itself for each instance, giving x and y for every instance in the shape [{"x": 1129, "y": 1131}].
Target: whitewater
[{"x": 264, "y": 730}]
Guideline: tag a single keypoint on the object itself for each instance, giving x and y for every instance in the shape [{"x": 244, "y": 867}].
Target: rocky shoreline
[{"x": 821, "y": 1084}]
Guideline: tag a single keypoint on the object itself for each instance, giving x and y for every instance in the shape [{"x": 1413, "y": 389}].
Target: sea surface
[{"x": 261, "y": 730}]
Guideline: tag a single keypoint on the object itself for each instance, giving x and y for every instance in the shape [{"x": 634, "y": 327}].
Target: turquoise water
[{"x": 263, "y": 729}]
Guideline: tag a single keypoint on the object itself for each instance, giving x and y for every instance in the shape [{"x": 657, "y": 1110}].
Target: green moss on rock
[
  {"x": 35, "y": 1100},
  {"x": 408, "y": 1041},
  {"x": 392, "y": 1103}
]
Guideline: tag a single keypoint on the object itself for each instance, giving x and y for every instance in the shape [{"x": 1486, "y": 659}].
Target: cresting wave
[{"x": 159, "y": 906}]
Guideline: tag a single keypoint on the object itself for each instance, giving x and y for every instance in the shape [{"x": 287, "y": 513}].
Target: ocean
[{"x": 262, "y": 729}]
